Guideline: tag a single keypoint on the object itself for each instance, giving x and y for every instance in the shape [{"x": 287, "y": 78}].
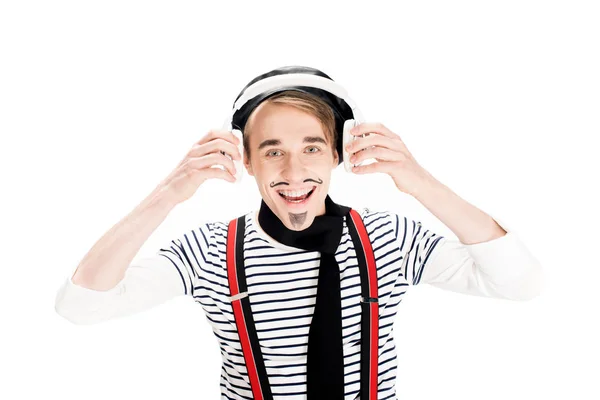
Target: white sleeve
[
  {"x": 148, "y": 282},
  {"x": 499, "y": 268}
]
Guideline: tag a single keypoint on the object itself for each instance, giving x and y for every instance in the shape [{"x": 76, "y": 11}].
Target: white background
[{"x": 498, "y": 100}]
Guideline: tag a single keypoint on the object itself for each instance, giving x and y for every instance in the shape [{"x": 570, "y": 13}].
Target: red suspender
[
  {"x": 373, "y": 305},
  {"x": 245, "y": 321},
  {"x": 238, "y": 313}
]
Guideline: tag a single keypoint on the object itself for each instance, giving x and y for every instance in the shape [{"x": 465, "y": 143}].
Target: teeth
[{"x": 291, "y": 193}]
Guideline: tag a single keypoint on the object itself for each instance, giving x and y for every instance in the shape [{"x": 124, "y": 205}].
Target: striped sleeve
[
  {"x": 188, "y": 256},
  {"x": 418, "y": 245}
]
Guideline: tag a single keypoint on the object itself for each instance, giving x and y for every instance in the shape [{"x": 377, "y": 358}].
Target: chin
[{"x": 304, "y": 211}]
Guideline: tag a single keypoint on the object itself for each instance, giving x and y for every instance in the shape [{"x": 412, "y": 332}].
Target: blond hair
[{"x": 308, "y": 103}]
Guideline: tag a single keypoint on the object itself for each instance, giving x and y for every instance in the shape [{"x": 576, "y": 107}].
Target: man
[{"x": 291, "y": 145}]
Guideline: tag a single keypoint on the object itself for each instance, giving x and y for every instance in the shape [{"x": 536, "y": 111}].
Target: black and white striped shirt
[{"x": 282, "y": 284}]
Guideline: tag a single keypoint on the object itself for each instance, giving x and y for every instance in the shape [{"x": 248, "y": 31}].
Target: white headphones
[{"x": 289, "y": 82}]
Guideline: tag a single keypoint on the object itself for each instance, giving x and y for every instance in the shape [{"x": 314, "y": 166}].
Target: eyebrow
[{"x": 276, "y": 142}]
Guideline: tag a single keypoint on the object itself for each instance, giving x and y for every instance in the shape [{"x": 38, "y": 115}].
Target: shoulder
[
  {"x": 218, "y": 229},
  {"x": 378, "y": 220},
  {"x": 370, "y": 215}
]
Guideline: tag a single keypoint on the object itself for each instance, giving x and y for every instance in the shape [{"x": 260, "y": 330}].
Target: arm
[
  {"x": 467, "y": 222},
  {"x": 499, "y": 268},
  {"x": 488, "y": 259},
  {"x": 107, "y": 283},
  {"x": 148, "y": 282},
  {"x": 105, "y": 264}
]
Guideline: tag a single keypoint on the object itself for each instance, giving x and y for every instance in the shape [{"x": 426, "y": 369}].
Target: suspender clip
[
  {"x": 238, "y": 296},
  {"x": 369, "y": 299}
]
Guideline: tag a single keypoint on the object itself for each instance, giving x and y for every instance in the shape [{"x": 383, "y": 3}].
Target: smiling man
[
  {"x": 301, "y": 269},
  {"x": 294, "y": 156}
]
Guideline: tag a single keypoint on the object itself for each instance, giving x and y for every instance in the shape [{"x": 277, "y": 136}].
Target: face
[{"x": 290, "y": 155}]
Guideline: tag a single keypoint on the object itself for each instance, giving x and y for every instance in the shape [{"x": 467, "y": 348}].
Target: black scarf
[{"x": 325, "y": 359}]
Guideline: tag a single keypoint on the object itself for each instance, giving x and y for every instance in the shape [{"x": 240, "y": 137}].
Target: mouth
[{"x": 296, "y": 199}]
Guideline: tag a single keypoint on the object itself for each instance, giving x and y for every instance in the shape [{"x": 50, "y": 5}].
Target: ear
[
  {"x": 247, "y": 164},
  {"x": 336, "y": 158}
]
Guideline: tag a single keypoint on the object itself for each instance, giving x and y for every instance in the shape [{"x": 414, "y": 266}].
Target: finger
[
  {"x": 380, "y": 166},
  {"x": 224, "y": 175},
  {"x": 227, "y": 147},
  {"x": 218, "y": 173},
  {"x": 372, "y": 127},
  {"x": 219, "y": 133},
  {"x": 216, "y": 145},
  {"x": 362, "y": 143},
  {"x": 379, "y": 153},
  {"x": 234, "y": 151},
  {"x": 225, "y": 161},
  {"x": 208, "y": 160}
]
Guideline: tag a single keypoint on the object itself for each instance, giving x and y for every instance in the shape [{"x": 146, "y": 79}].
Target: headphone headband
[{"x": 292, "y": 81}]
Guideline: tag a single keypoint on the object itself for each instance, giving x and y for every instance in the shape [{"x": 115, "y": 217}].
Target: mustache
[{"x": 320, "y": 181}]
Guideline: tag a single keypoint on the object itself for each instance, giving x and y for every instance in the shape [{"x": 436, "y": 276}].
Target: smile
[{"x": 296, "y": 197}]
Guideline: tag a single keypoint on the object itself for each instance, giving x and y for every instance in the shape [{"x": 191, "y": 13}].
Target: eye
[{"x": 317, "y": 149}]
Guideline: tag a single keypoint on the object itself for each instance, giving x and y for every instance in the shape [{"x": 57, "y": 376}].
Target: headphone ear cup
[{"x": 347, "y": 138}]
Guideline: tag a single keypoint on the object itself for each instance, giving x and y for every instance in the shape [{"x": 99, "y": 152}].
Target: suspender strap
[
  {"x": 240, "y": 302},
  {"x": 369, "y": 302},
  {"x": 242, "y": 312}
]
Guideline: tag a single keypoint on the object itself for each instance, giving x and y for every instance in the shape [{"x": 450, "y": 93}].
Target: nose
[{"x": 294, "y": 169}]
